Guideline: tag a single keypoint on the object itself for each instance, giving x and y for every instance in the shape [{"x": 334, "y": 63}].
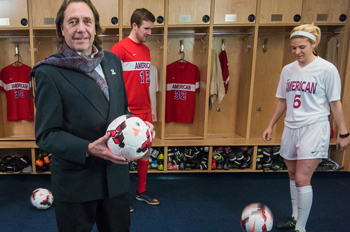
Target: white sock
[
  {"x": 294, "y": 198},
  {"x": 305, "y": 195}
]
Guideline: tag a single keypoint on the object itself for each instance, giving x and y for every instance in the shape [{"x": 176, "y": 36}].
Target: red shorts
[{"x": 145, "y": 116}]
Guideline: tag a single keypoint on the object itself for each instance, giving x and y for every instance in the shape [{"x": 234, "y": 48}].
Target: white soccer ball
[
  {"x": 130, "y": 137},
  {"x": 256, "y": 217},
  {"x": 41, "y": 198}
]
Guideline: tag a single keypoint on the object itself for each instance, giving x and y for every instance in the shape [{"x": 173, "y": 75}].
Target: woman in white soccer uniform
[{"x": 308, "y": 87}]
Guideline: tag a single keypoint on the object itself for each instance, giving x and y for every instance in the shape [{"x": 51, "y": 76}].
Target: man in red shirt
[{"x": 136, "y": 60}]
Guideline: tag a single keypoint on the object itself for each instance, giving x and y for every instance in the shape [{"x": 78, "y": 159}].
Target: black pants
[{"x": 110, "y": 215}]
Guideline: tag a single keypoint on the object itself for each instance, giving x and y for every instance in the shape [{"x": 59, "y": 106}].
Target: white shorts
[{"x": 309, "y": 142}]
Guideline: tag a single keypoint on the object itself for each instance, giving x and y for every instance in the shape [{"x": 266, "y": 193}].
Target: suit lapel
[
  {"x": 85, "y": 84},
  {"x": 113, "y": 75}
]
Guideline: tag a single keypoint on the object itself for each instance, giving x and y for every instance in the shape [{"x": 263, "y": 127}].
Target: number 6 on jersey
[{"x": 297, "y": 101}]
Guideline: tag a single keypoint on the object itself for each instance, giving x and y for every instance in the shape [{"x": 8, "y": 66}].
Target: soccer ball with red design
[
  {"x": 256, "y": 217},
  {"x": 130, "y": 137},
  {"x": 41, "y": 198}
]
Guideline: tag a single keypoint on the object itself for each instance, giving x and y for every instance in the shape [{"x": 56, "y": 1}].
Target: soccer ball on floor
[
  {"x": 256, "y": 217},
  {"x": 41, "y": 198},
  {"x": 130, "y": 137}
]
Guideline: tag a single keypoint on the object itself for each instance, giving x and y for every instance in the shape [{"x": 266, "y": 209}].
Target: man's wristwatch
[{"x": 343, "y": 136}]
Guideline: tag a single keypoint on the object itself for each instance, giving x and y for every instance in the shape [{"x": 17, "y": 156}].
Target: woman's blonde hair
[{"x": 311, "y": 28}]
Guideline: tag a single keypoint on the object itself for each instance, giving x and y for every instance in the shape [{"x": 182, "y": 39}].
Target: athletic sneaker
[
  {"x": 267, "y": 151},
  {"x": 288, "y": 223},
  {"x": 131, "y": 209},
  {"x": 276, "y": 150},
  {"x": 154, "y": 153},
  {"x": 147, "y": 198}
]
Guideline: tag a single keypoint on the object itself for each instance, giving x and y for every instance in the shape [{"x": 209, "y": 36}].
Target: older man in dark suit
[{"x": 79, "y": 91}]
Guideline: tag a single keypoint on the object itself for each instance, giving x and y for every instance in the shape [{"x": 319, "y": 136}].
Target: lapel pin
[{"x": 112, "y": 71}]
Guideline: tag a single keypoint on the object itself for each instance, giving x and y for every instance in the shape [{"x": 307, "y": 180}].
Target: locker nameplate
[
  {"x": 322, "y": 17},
  {"x": 4, "y": 22},
  {"x": 49, "y": 21},
  {"x": 230, "y": 17},
  {"x": 185, "y": 18},
  {"x": 276, "y": 17}
]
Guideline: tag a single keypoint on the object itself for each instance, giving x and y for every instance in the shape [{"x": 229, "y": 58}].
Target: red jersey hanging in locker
[
  {"x": 14, "y": 80},
  {"x": 182, "y": 83},
  {"x": 224, "y": 68}
]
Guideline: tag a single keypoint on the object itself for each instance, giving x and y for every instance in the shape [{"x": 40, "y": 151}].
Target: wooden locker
[
  {"x": 234, "y": 11},
  {"x": 14, "y": 130},
  {"x": 189, "y": 12},
  {"x": 44, "y": 12},
  {"x": 325, "y": 11},
  {"x": 195, "y": 43},
  {"x": 280, "y": 11},
  {"x": 269, "y": 64},
  {"x": 13, "y": 14},
  {"x": 228, "y": 118},
  {"x": 108, "y": 11},
  {"x": 154, "y": 6}
]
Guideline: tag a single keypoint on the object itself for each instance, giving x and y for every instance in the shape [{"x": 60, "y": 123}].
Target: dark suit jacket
[{"x": 71, "y": 113}]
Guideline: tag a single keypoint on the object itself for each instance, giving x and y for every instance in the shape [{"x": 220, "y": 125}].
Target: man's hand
[
  {"x": 99, "y": 148},
  {"x": 151, "y": 127}
]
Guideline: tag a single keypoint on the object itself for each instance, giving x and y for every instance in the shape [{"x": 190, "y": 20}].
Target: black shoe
[
  {"x": 22, "y": 162},
  {"x": 147, "y": 198},
  {"x": 131, "y": 209},
  {"x": 289, "y": 223}
]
